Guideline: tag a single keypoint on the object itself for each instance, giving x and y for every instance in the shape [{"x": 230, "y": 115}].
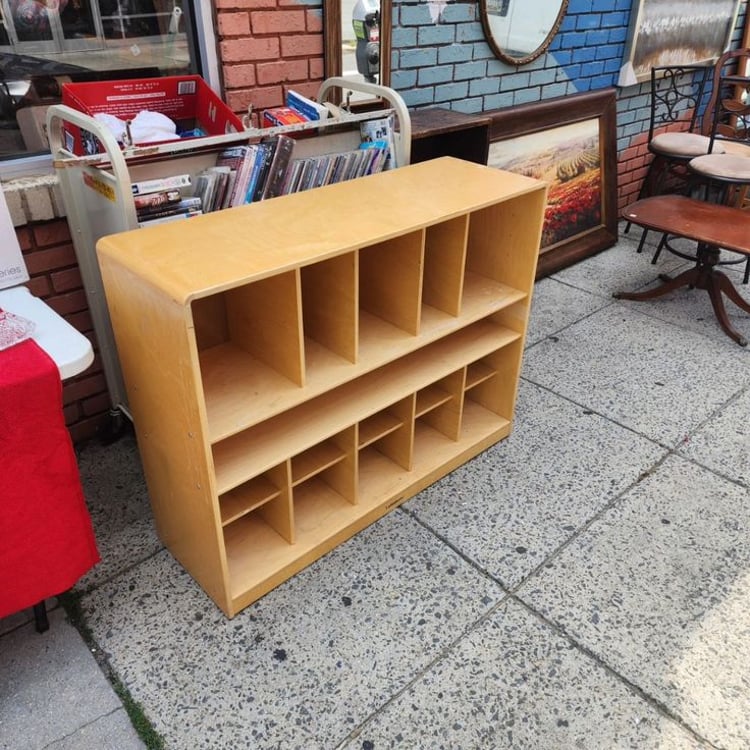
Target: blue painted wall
[{"x": 440, "y": 58}]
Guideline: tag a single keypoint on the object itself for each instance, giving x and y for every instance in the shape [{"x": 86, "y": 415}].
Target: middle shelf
[{"x": 421, "y": 372}]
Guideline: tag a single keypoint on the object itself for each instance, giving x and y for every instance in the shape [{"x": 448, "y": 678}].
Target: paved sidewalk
[{"x": 583, "y": 584}]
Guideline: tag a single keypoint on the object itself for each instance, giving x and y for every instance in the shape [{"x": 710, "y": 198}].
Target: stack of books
[
  {"x": 258, "y": 171},
  {"x": 165, "y": 199}
]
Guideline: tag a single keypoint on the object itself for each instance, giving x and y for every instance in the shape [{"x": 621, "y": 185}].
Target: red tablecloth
[{"x": 46, "y": 539}]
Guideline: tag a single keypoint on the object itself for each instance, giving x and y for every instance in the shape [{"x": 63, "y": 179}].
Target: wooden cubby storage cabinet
[{"x": 298, "y": 367}]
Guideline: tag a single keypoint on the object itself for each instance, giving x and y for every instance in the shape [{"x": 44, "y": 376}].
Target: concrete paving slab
[
  {"x": 304, "y": 665},
  {"x": 657, "y": 379},
  {"x": 659, "y": 589},
  {"x": 619, "y": 268},
  {"x": 117, "y": 499},
  {"x": 555, "y": 305},
  {"x": 691, "y": 309},
  {"x": 111, "y": 732},
  {"x": 513, "y": 683},
  {"x": 51, "y": 688},
  {"x": 513, "y": 505},
  {"x": 18, "y": 619},
  {"x": 723, "y": 442}
]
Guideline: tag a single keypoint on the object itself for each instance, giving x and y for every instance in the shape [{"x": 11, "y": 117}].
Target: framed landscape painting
[
  {"x": 570, "y": 143},
  {"x": 675, "y": 32}
]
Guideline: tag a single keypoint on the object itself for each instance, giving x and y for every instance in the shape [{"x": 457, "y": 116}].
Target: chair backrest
[
  {"x": 730, "y": 98},
  {"x": 677, "y": 95}
]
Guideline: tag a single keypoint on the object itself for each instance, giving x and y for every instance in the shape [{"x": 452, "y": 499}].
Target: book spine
[
  {"x": 152, "y": 200},
  {"x": 279, "y": 168},
  {"x": 270, "y": 149},
  {"x": 168, "y": 219},
  {"x": 183, "y": 206},
  {"x": 255, "y": 173},
  {"x": 163, "y": 183},
  {"x": 243, "y": 173}
]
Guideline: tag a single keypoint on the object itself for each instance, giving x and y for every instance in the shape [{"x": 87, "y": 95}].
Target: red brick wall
[
  {"x": 633, "y": 163},
  {"x": 50, "y": 258},
  {"x": 267, "y": 46}
]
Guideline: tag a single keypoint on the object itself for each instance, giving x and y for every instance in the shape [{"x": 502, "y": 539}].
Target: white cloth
[{"x": 145, "y": 127}]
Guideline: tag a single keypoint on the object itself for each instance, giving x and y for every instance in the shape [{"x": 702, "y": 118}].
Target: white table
[{"x": 69, "y": 349}]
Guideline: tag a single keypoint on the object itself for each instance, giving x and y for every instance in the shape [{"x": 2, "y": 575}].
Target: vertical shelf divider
[
  {"x": 444, "y": 264},
  {"x": 399, "y": 445},
  {"x": 445, "y": 417},
  {"x": 342, "y": 476},
  {"x": 279, "y": 513}
]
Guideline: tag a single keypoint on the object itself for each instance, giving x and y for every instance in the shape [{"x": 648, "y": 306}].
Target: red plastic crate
[{"x": 188, "y": 100}]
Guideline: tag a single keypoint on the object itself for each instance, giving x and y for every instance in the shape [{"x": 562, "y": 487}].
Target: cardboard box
[{"x": 188, "y": 100}]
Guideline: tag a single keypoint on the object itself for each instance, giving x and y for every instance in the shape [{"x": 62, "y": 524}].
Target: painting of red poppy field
[{"x": 568, "y": 158}]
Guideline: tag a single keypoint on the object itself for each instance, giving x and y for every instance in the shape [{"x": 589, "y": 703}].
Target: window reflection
[{"x": 45, "y": 43}]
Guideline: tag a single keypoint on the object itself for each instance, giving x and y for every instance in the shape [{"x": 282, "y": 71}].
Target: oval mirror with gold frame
[{"x": 519, "y": 31}]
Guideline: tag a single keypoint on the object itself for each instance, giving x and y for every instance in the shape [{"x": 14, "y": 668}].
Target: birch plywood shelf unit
[{"x": 299, "y": 367}]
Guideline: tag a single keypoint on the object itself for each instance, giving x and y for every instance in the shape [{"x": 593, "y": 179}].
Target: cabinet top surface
[{"x": 206, "y": 254}]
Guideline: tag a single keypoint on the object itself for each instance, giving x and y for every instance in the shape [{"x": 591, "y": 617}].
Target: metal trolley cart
[{"x": 97, "y": 194}]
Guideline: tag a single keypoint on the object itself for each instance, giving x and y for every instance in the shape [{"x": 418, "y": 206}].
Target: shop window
[{"x": 45, "y": 43}]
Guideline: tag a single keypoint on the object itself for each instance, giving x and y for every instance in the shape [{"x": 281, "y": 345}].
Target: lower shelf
[{"x": 259, "y": 559}]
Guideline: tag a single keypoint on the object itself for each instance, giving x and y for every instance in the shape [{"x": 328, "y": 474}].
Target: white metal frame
[{"x": 96, "y": 190}]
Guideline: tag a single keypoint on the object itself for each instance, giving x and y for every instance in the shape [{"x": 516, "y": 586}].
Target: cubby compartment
[
  {"x": 444, "y": 264},
  {"x": 496, "y": 380},
  {"x": 249, "y": 341},
  {"x": 324, "y": 483},
  {"x": 478, "y": 372},
  {"x": 266, "y": 496},
  {"x": 439, "y": 404},
  {"x": 495, "y": 234},
  {"x": 386, "y": 448},
  {"x": 390, "y": 291},
  {"x": 333, "y": 460},
  {"x": 329, "y": 314}
]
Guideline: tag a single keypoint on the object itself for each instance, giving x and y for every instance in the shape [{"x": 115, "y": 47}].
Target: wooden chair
[
  {"x": 725, "y": 170},
  {"x": 677, "y": 93},
  {"x": 675, "y": 130}
]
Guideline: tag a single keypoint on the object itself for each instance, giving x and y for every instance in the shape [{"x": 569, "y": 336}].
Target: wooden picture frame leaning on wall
[{"x": 571, "y": 143}]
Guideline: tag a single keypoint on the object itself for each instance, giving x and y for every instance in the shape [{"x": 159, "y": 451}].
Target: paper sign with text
[{"x": 12, "y": 266}]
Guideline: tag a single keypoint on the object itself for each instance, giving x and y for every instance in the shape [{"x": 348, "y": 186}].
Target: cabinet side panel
[{"x": 159, "y": 363}]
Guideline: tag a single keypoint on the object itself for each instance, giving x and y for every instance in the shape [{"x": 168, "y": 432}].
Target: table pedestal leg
[{"x": 702, "y": 276}]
